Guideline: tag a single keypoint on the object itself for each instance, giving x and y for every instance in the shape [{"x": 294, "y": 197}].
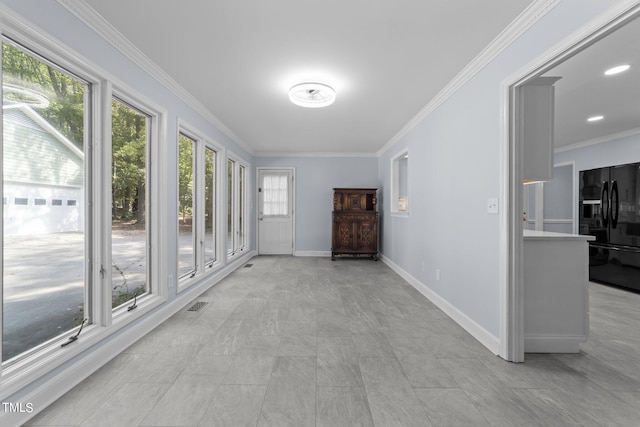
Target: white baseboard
[
  {"x": 478, "y": 332},
  {"x": 312, "y": 253},
  {"x": 553, "y": 343},
  {"x": 64, "y": 379}
]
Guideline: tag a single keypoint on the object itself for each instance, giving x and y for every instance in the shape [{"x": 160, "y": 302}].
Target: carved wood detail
[{"x": 355, "y": 222}]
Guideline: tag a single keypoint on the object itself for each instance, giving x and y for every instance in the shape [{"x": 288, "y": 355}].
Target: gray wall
[
  {"x": 454, "y": 167},
  {"x": 559, "y": 200},
  {"x": 315, "y": 179},
  {"x": 616, "y": 151}
]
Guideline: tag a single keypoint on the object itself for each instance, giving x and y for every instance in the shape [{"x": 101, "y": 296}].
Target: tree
[
  {"x": 185, "y": 177},
  {"x": 129, "y": 141},
  {"x": 31, "y": 79}
]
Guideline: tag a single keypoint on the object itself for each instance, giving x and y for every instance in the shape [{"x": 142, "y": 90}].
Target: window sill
[
  {"x": 400, "y": 214},
  {"x": 187, "y": 281},
  {"x": 23, "y": 372}
]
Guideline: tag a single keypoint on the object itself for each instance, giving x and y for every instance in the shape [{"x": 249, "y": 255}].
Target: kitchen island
[{"x": 556, "y": 299}]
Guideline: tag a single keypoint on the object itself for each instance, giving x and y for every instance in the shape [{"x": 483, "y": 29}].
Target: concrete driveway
[{"x": 44, "y": 284}]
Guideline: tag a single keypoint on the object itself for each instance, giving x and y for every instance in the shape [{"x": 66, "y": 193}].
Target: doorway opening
[
  {"x": 513, "y": 161},
  {"x": 276, "y": 213}
]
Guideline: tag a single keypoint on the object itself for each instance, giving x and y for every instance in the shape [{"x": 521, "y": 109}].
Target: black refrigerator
[{"x": 610, "y": 211}]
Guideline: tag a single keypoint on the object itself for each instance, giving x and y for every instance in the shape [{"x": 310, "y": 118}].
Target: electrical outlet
[
  {"x": 437, "y": 274},
  {"x": 492, "y": 206}
]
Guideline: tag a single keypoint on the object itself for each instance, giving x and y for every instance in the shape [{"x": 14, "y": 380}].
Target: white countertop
[{"x": 550, "y": 235}]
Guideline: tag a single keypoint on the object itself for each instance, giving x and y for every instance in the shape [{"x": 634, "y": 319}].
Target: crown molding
[
  {"x": 595, "y": 141},
  {"x": 532, "y": 14},
  {"x": 311, "y": 154},
  {"x": 108, "y": 32}
]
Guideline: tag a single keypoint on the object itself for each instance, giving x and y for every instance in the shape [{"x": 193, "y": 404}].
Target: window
[
  {"x": 21, "y": 201},
  {"x": 129, "y": 213},
  {"x": 210, "y": 217},
  {"x": 186, "y": 188},
  {"x": 236, "y": 205},
  {"x": 231, "y": 165},
  {"x": 45, "y": 146},
  {"x": 275, "y": 194},
  {"x": 400, "y": 183},
  {"x": 59, "y": 148},
  {"x": 198, "y": 245},
  {"x": 241, "y": 212}
]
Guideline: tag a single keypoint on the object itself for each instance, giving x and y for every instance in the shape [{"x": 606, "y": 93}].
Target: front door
[{"x": 275, "y": 211}]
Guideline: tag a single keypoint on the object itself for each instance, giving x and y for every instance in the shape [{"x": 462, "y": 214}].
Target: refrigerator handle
[
  {"x": 615, "y": 205},
  {"x": 604, "y": 204}
]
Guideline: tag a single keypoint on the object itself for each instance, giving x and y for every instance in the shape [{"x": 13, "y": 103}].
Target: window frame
[
  {"x": 155, "y": 156},
  {"x": 201, "y": 143},
  {"x": 217, "y": 200},
  {"x": 42, "y": 359},
  {"x": 52, "y": 54},
  {"x": 238, "y": 245},
  {"x": 195, "y": 215},
  {"x": 395, "y": 184}
]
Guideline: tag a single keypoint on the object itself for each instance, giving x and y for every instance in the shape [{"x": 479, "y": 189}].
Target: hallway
[{"x": 293, "y": 341}]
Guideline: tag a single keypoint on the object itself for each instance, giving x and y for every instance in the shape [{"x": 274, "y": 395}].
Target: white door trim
[
  {"x": 293, "y": 201},
  {"x": 511, "y": 172}
]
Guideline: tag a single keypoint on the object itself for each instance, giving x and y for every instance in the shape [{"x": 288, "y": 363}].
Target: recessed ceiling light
[
  {"x": 595, "y": 118},
  {"x": 312, "y": 95},
  {"x": 616, "y": 70}
]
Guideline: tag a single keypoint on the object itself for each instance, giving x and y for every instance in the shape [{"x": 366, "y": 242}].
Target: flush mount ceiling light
[
  {"x": 595, "y": 118},
  {"x": 312, "y": 95},
  {"x": 617, "y": 70}
]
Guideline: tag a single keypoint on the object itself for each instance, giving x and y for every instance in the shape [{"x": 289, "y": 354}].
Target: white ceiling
[
  {"x": 584, "y": 91},
  {"x": 386, "y": 60}
]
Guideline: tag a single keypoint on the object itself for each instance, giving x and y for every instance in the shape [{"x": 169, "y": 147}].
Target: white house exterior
[{"x": 43, "y": 177}]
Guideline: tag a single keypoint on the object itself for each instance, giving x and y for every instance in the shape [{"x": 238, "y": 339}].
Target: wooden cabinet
[{"x": 355, "y": 222}]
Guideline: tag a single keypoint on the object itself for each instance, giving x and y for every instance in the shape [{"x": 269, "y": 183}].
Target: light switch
[{"x": 492, "y": 206}]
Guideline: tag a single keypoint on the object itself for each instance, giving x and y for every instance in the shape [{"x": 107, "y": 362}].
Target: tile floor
[{"x": 310, "y": 342}]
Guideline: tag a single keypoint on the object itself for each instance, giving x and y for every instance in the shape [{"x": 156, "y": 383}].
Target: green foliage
[
  {"x": 65, "y": 93},
  {"x": 129, "y": 141},
  {"x": 30, "y": 76},
  {"x": 121, "y": 293},
  {"x": 123, "y": 297},
  {"x": 185, "y": 177}
]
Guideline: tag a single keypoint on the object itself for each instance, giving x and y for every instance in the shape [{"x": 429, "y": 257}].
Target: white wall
[
  {"x": 315, "y": 179},
  {"x": 454, "y": 167}
]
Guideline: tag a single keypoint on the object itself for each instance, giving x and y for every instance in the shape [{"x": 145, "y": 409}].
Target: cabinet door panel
[
  {"x": 343, "y": 235},
  {"x": 367, "y": 235}
]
